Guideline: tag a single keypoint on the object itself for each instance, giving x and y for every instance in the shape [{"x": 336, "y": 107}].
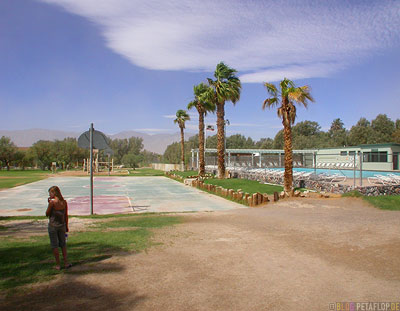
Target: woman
[{"x": 57, "y": 211}]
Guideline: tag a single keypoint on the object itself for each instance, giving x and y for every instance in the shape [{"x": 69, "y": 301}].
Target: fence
[
  {"x": 352, "y": 168},
  {"x": 167, "y": 167}
]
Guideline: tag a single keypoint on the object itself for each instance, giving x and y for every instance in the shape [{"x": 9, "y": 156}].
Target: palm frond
[
  {"x": 292, "y": 113},
  {"x": 280, "y": 112},
  {"x": 300, "y": 95},
  {"x": 271, "y": 89},
  {"x": 192, "y": 104},
  {"x": 181, "y": 118},
  {"x": 270, "y": 102}
]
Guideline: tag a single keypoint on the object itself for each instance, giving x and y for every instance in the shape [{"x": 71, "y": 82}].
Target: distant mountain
[
  {"x": 26, "y": 138},
  {"x": 155, "y": 143}
]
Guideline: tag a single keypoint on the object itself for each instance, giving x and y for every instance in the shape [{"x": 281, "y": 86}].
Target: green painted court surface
[{"x": 112, "y": 195}]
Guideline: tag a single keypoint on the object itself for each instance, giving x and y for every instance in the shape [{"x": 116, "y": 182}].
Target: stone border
[{"x": 321, "y": 186}]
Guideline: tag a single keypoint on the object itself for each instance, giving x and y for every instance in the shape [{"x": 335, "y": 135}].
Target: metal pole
[
  {"x": 354, "y": 171},
  {"x": 91, "y": 168},
  {"x": 315, "y": 163},
  {"x": 361, "y": 159},
  {"x": 108, "y": 166}
]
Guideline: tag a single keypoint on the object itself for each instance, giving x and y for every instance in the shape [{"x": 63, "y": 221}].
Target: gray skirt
[{"x": 57, "y": 236}]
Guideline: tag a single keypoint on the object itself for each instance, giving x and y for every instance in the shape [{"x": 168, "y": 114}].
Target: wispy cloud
[
  {"x": 264, "y": 40},
  {"x": 169, "y": 116},
  {"x": 193, "y": 116},
  {"x": 246, "y": 124},
  {"x": 153, "y": 130}
]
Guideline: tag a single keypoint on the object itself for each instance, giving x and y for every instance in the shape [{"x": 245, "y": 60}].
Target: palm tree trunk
[
  {"x": 221, "y": 139},
  {"x": 202, "y": 164},
  {"x": 182, "y": 149},
  {"x": 288, "y": 175}
]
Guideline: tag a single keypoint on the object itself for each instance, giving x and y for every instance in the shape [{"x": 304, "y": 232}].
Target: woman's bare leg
[
  {"x": 57, "y": 257},
  {"x": 64, "y": 252}
]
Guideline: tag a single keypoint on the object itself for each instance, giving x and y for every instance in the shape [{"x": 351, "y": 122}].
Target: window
[
  {"x": 343, "y": 153},
  {"x": 352, "y": 153},
  {"x": 375, "y": 156}
]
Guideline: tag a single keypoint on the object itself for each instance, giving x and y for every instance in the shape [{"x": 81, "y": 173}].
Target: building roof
[
  {"x": 249, "y": 151},
  {"x": 379, "y": 145}
]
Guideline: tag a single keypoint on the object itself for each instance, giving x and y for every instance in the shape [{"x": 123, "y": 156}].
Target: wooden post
[{"x": 255, "y": 202}]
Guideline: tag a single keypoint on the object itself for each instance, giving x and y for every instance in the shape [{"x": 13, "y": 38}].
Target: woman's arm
[
  {"x": 66, "y": 216},
  {"x": 49, "y": 207}
]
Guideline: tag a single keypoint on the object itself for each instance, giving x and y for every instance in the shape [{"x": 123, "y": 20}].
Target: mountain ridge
[{"x": 155, "y": 143}]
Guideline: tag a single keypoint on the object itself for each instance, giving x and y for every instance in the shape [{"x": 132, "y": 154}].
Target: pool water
[{"x": 347, "y": 173}]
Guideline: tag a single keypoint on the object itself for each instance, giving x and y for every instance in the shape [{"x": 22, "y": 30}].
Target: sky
[{"x": 130, "y": 65}]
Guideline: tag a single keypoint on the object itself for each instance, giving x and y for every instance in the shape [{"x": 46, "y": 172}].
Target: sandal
[
  {"x": 68, "y": 266},
  {"x": 58, "y": 268}
]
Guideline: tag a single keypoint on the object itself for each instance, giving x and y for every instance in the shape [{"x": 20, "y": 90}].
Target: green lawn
[
  {"x": 27, "y": 261},
  {"x": 146, "y": 171},
  {"x": 250, "y": 186},
  {"x": 388, "y": 202},
  {"x": 13, "y": 178},
  {"x": 185, "y": 173}
]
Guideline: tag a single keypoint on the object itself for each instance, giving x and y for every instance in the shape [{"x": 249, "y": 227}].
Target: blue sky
[{"x": 130, "y": 65}]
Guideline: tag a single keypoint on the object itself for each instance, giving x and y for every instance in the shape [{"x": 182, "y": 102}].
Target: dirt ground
[{"x": 298, "y": 254}]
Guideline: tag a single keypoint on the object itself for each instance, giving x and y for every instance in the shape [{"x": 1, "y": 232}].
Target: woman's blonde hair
[{"x": 57, "y": 193}]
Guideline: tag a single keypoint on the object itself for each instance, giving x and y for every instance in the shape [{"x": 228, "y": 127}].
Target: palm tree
[
  {"x": 289, "y": 95},
  {"x": 226, "y": 87},
  {"x": 181, "y": 118},
  {"x": 203, "y": 105}
]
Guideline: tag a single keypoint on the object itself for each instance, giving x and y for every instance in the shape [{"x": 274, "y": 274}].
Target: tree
[
  {"x": 173, "y": 153},
  {"x": 203, "y": 106},
  {"x": 307, "y": 128},
  {"x": 181, "y": 118},
  {"x": 124, "y": 146},
  {"x": 396, "y": 136},
  {"x": 24, "y": 158},
  {"x": 289, "y": 95},
  {"x": 278, "y": 140},
  {"x": 383, "y": 128},
  {"x": 7, "y": 151},
  {"x": 225, "y": 87},
  {"x": 132, "y": 160},
  {"x": 212, "y": 141},
  {"x": 396, "y": 133},
  {"x": 338, "y": 133},
  {"x": 44, "y": 153},
  {"x": 238, "y": 141},
  {"x": 361, "y": 133},
  {"x": 67, "y": 152},
  {"x": 265, "y": 143}
]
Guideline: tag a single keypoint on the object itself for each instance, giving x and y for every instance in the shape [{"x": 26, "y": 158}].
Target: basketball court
[{"x": 112, "y": 195}]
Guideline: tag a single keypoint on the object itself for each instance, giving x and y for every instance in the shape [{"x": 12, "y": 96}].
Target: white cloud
[
  {"x": 169, "y": 116},
  {"x": 246, "y": 125},
  {"x": 153, "y": 130},
  {"x": 264, "y": 40}
]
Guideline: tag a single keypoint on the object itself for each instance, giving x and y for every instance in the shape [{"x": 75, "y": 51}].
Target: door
[{"x": 395, "y": 161}]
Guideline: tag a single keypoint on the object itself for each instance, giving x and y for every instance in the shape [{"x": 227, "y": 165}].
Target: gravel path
[{"x": 298, "y": 254}]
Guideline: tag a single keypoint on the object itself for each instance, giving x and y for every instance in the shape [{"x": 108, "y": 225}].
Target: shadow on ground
[{"x": 71, "y": 294}]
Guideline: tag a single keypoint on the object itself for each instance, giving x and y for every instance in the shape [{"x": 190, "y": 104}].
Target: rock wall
[{"x": 319, "y": 185}]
